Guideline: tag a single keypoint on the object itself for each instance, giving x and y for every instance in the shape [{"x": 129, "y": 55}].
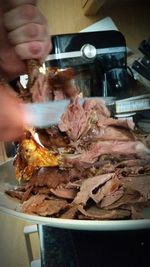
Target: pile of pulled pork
[{"x": 90, "y": 166}]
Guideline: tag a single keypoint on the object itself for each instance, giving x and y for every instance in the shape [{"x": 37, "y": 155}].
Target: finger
[
  {"x": 23, "y": 15},
  {"x": 11, "y": 125},
  {"x": 14, "y": 3},
  {"x": 11, "y": 129},
  {"x": 27, "y": 33},
  {"x": 11, "y": 134},
  {"x": 34, "y": 49}
]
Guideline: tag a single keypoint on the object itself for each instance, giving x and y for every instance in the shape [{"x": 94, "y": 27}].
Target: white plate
[{"x": 11, "y": 207}]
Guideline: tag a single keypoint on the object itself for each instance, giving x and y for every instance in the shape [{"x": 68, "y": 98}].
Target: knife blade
[{"x": 44, "y": 114}]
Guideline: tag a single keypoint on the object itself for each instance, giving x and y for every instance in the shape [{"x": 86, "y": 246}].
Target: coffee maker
[{"x": 99, "y": 60}]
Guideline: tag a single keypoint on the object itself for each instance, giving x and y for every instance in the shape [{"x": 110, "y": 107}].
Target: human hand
[
  {"x": 23, "y": 35},
  {"x": 11, "y": 115}
]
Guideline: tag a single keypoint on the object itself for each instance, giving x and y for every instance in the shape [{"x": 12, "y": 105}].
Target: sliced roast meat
[
  {"x": 43, "y": 206},
  {"x": 97, "y": 149},
  {"x": 73, "y": 121},
  {"x": 54, "y": 85},
  {"x": 130, "y": 196},
  {"x": 128, "y": 124},
  {"x": 53, "y": 138},
  {"x": 111, "y": 198},
  {"x": 27, "y": 194},
  {"x": 97, "y": 108},
  {"x": 51, "y": 207},
  {"x": 63, "y": 192},
  {"x": 94, "y": 213},
  {"x": 78, "y": 119},
  {"x": 136, "y": 214},
  {"x": 41, "y": 89},
  {"x": 62, "y": 83},
  {"x": 50, "y": 177},
  {"x": 92, "y": 121},
  {"x": 44, "y": 190},
  {"x": 32, "y": 203},
  {"x": 132, "y": 163},
  {"x": 107, "y": 133},
  {"x": 108, "y": 188},
  {"x": 70, "y": 213},
  {"x": 133, "y": 170},
  {"x": 141, "y": 183},
  {"x": 89, "y": 166},
  {"x": 89, "y": 185},
  {"x": 147, "y": 141},
  {"x": 15, "y": 193}
]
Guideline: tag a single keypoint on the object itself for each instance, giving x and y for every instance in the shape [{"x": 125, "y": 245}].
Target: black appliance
[
  {"x": 142, "y": 65},
  {"x": 98, "y": 58}
]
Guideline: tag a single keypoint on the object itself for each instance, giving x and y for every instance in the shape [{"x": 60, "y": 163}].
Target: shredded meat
[
  {"x": 97, "y": 149},
  {"x": 53, "y": 138},
  {"x": 90, "y": 166},
  {"x": 89, "y": 185},
  {"x": 43, "y": 206},
  {"x": 54, "y": 85},
  {"x": 50, "y": 177}
]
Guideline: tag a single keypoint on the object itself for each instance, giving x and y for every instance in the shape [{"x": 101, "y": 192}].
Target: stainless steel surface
[{"x": 11, "y": 206}]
